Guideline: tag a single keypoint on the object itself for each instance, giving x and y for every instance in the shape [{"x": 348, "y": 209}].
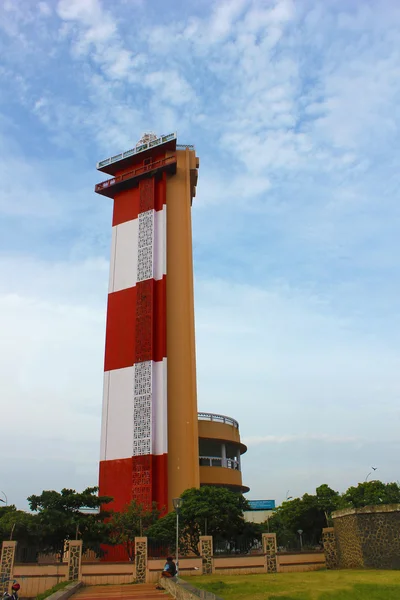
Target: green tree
[
  {"x": 209, "y": 510},
  {"x": 134, "y": 521},
  {"x": 328, "y": 500},
  {"x": 310, "y": 514},
  {"x": 370, "y": 493},
  {"x": 60, "y": 518},
  {"x": 18, "y": 525}
]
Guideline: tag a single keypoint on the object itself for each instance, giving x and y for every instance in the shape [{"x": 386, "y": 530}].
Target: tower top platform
[{"x": 116, "y": 163}]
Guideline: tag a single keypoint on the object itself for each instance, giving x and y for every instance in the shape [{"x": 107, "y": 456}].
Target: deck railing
[
  {"x": 161, "y": 140},
  {"x": 217, "y": 419},
  {"x": 218, "y": 461},
  {"x": 169, "y": 160}
]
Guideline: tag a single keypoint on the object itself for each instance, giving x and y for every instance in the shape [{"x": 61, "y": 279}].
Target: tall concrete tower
[{"x": 149, "y": 438}]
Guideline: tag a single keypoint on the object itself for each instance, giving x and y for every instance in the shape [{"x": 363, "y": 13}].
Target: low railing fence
[
  {"x": 238, "y": 546},
  {"x": 218, "y": 461},
  {"x": 159, "y": 549}
]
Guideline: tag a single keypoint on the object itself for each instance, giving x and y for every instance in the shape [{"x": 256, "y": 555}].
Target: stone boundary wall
[
  {"x": 300, "y": 562},
  {"x": 330, "y": 547},
  {"x": 368, "y": 537},
  {"x": 35, "y": 579},
  {"x": 38, "y": 577}
]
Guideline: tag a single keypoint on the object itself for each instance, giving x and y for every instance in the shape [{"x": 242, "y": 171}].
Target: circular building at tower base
[{"x": 220, "y": 451}]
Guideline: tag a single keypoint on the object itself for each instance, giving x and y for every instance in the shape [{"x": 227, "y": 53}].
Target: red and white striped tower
[{"x": 135, "y": 425}]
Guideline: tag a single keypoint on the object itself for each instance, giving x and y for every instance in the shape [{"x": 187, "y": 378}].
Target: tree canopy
[
  {"x": 371, "y": 493},
  {"x": 60, "y": 517},
  {"x": 312, "y": 512},
  {"x": 17, "y": 525},
  {"x": 206, "y": 511},
  {"x": 133, "y": 522}
]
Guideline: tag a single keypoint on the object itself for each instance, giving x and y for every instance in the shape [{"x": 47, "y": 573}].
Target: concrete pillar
[
  {"x": 75, "y": 560},
  {"x": 330, "y": 548},
  {"x": 269, "y": 549},
  {"x": 223, "y": 454},
  {"x": 7, "y": 564},
  {"x": 206, "y": 553},
  {"x": 141, "y": 559}
]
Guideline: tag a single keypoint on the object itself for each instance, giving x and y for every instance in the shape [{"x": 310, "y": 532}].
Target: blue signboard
[{"x": 262, "y": 504}]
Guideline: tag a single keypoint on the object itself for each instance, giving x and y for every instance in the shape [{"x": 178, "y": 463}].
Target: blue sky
[{"x": 294, "y": 112}]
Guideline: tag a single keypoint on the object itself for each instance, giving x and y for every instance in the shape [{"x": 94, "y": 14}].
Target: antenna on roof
[{"x": 146, "y": 138}]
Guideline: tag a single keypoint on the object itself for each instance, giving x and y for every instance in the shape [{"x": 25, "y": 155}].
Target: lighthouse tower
[{"x": 149, "y": 438}]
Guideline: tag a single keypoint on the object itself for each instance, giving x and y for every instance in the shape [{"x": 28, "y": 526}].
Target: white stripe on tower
[{"x": 124, "y": 252}]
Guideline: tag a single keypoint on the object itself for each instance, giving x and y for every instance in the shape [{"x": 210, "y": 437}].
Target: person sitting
[{"x": 169, "y": 568}]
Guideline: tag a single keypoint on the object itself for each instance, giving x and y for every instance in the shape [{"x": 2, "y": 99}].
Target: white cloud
[{"x": 44, "y": 9}]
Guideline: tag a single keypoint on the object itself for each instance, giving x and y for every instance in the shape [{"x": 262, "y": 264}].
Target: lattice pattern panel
[
  {"x": 74, "y": 562},
  {"x": 143, "y": 381},
  {"x": 144, "y": 298},
  {"x": 7, "y": 563},
  {"x": 144, "y": 338},
  {"x": 206, "y": 552},
  {"x": 142, "y": 400},
  {"x": 141, "y": 560},
  {"x": 270, "y": 548},
  {"x": 146, "y": 231},
  {"x": 145, "y": 263},
  {"x": 146, "y": 194},
  {"x": 141, "y": 481},
  {"x": 142, "y": 413},
  {"x": 146, "y": 225},
  {"x": 142, "y": 425}
]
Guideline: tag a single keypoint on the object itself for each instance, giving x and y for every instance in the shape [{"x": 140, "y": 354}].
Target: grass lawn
[{"x": 314, "y": 585}]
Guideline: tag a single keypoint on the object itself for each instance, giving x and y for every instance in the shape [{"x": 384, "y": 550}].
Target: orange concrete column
[{"x": 183, "y": 451}]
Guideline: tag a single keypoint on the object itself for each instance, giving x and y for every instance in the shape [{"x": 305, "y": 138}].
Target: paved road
[{"x": 144, "y": 591}]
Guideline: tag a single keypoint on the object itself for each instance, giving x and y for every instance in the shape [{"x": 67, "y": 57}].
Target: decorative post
[
  {"x": 7, "y": 564},
  {"x": 141, "y": 559},
  {"x": 75, "y": 560},
  {"x": 330, "y": 548},
  {"x": 206, "y": 553},
  {"x": 269, "y": 549}
]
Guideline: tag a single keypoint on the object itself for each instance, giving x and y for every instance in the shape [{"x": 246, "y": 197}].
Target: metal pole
[
  {"x": 5, "y": 496},
  {"x": 300, "y": 532},
  {"x": 177, "y": 542}
]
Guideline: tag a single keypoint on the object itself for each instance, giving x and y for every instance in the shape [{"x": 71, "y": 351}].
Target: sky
[{"x": 294, "y": 112}]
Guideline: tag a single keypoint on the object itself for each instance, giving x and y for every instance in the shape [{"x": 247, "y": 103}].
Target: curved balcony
[
  {"x": 220, "y": 450},
  {"x": 219, "y": 427}
]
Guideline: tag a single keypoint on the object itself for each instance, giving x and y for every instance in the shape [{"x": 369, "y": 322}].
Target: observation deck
[
  {"x": 124, "y": 160},
  {"x": 110, "y": 187},
  {"x": 220, "y": 451}
]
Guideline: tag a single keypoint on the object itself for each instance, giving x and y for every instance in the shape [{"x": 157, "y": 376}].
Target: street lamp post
[
  {"x": 300, "y": 532},
  {"x": 177, "y": 502},
  {"x": 6, "y": 499}
]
